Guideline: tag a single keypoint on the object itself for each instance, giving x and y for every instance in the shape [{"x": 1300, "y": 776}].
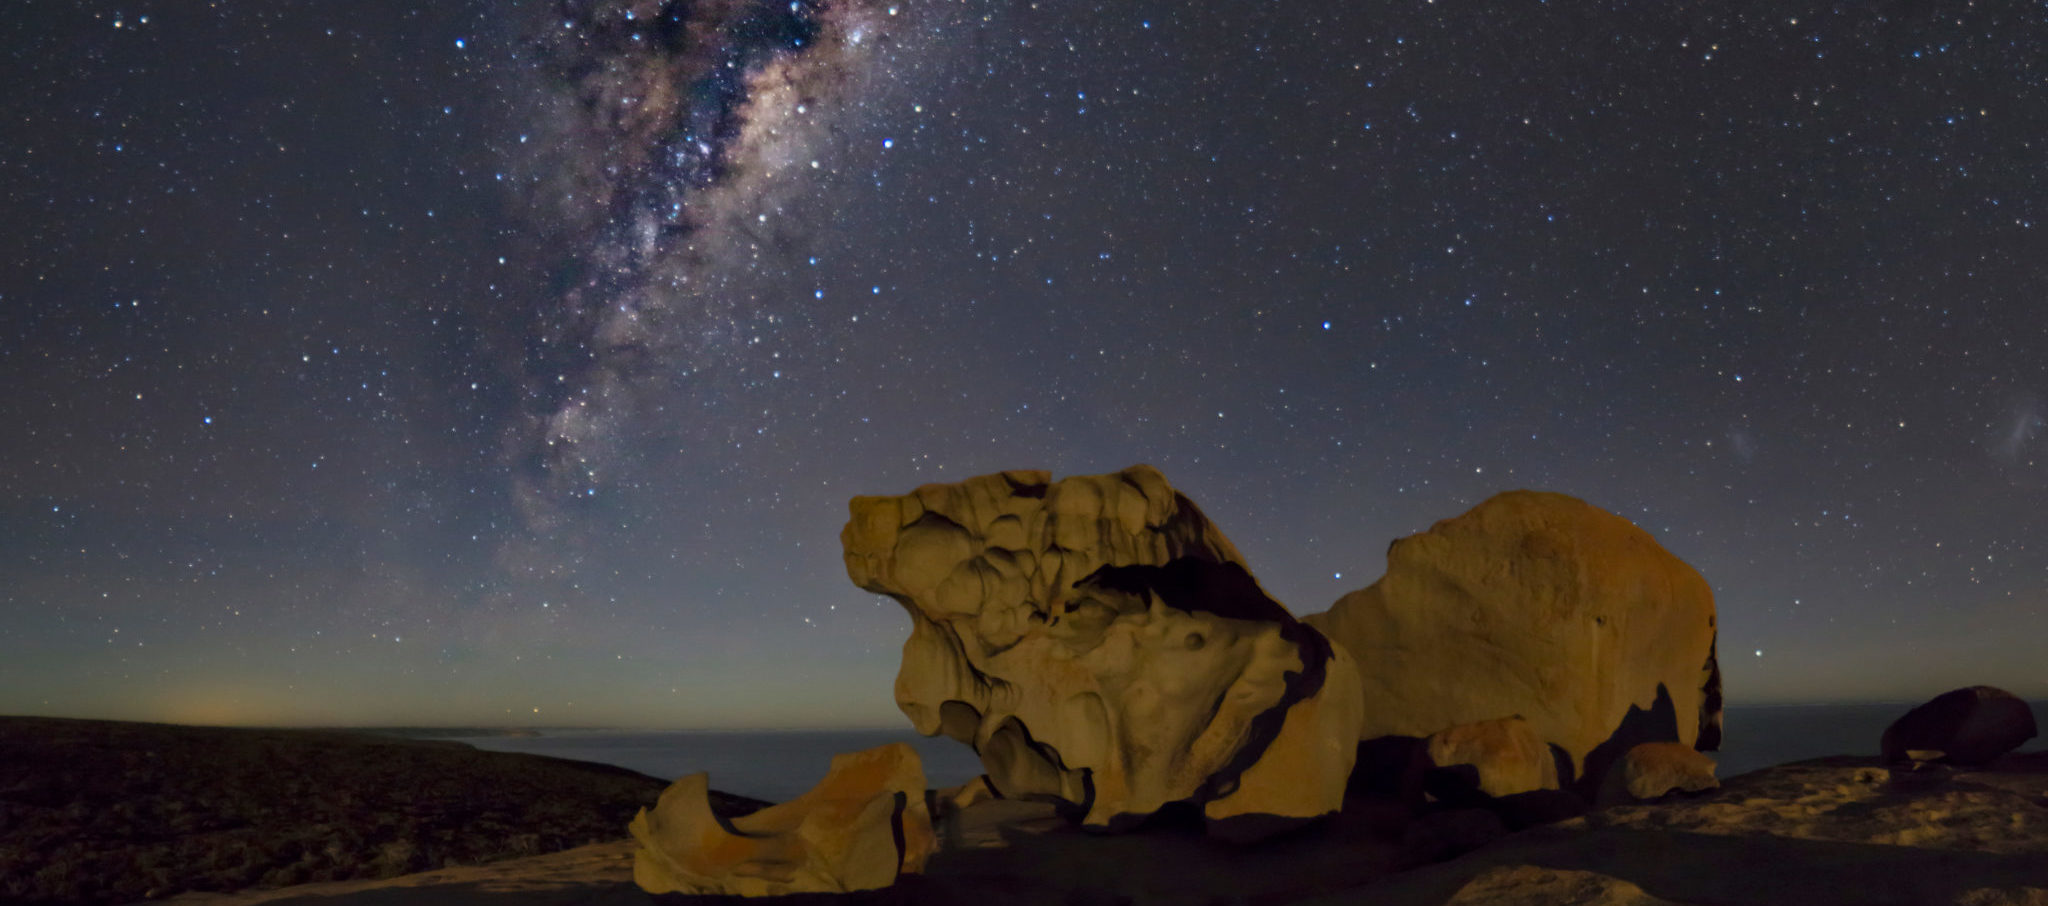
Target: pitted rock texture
[
  {"x": 1101, "y": 644},
  {"x": 1504, "y": 757},
  {"x": 864, "y": 824},
  {"x": 1540, "y": 605}
]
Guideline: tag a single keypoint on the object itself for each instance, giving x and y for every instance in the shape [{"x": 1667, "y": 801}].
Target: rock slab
[{"x": 1533, "y": 885}]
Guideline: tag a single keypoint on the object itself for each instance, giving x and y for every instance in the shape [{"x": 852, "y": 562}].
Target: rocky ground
[
  {"x": 1832, "y": 831},
  {"x": 112, "y": 812},
  {"x": 95, "y": 812},
  {"x": 1828, "y": 831}
]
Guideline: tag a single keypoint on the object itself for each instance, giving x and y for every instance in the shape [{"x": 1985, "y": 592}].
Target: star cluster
[{"x": 514, "y": 361}]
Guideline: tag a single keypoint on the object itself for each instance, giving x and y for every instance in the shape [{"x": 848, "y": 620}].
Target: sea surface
[
  {"x": 776, "y": 765},
  {"x": 1758, "y": 736}
]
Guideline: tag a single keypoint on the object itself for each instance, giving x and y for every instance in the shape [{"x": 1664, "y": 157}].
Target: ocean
[
  {"x": 774, "y": 765},
  {"x": 777, "y": 765}
]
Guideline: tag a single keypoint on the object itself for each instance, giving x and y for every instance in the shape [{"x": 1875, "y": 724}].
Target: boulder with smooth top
[
  {"x": 1545, "y": 606},
  {"x": 1968, "y": 726}
]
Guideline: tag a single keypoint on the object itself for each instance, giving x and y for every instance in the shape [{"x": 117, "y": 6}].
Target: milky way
[
  {"x": 677, "y": 134},
  {"x": 389, "y": 361}
]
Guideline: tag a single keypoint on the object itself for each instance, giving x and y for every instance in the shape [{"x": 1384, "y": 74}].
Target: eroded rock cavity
[
  {"x": 1102, "y": 645},
  {"x": 863, "y": 825}
]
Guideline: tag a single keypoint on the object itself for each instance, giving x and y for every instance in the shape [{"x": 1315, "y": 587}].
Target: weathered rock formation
[
  {"x": 1504, "y": 756},
  {"x": 1832, "y": 831},
  {"x": 1101, "y": 644},
  {"x": 1655, "y": 769},
  {"x": 1971, "y": 726},
  {"x": 1540, "y": 605},
  {"x": 864, "y": 824}
]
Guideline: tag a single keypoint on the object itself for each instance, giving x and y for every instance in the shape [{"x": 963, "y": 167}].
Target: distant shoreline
[
  {"x": 105, "y": 812},
  {"x": 485, "y": 731}
]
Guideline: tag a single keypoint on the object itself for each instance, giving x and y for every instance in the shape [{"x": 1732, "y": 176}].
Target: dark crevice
[
  {"x": 1658, "y": 724},
  {"x": 1710, "y": 703},
  {"x": 1198, "y": 585}
]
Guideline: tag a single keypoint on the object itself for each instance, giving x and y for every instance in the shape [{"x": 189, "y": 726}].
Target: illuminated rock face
[
  {"x": 1655, "y": 769},
  {"x": 864, "y": 824},
  {"x": 1101, "y": 644},
  {"x": 1506, "y": 756},
  {"x": 1544, "y": 606}
]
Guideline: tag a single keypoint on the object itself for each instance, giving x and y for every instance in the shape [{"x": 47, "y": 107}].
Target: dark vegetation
[{"x": 110, "y": 812}]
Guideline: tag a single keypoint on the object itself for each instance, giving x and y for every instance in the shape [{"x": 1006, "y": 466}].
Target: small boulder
[
  {"x": 973, "y": 792},
  {"x": 1506, "y": 754},
  {"x": 1653, "y": 770},
  {"x": 864, "y": 824},
  {"x": 1969, "y": 726}
]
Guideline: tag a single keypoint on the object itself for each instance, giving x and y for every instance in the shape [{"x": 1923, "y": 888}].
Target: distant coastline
[
  {"x": 489, "y": 731},
  {"x": 105, "y": 812},
  {"x": 455, "y": 732},
  {"x": 781, "y": 762}
]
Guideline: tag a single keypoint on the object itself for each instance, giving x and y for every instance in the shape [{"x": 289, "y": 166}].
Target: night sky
[{"x": 513, "y": 363}]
